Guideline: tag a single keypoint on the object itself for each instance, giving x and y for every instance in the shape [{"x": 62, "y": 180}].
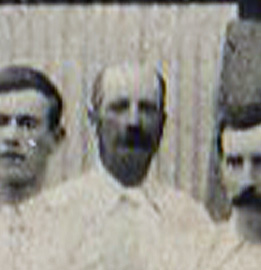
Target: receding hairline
[{"x": 114, "y": 73}]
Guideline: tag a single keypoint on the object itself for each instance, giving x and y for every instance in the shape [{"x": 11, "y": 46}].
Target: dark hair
[
  {"x": 238, "y": 117},
  {"x": 17, "y": 78}
]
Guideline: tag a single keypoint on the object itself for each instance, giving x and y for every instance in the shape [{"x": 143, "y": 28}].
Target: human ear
[
  {"x": 93, "y": 115},
  {"x": 59, "y": 134},
  {"x": 55, "y": 137},
  {"x": 164, "y": 118}
]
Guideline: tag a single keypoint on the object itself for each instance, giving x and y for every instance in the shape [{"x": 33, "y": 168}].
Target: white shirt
[
  {"x": 227, "y": 250},
  {"x": 93, "y": 223}
]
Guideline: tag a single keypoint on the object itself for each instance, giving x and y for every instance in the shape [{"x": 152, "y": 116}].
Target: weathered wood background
[{"x": 71, "y": 44}]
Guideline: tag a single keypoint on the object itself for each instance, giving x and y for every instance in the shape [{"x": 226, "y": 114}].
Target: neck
[
  {"x": 247, "y": 223},
  {"x": 126, "y": 169},
  {"x": 18, "y": 190}
]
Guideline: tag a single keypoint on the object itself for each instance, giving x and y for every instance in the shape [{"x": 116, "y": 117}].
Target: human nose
[
  {"x": 133, "y": 115},
  {"x": 11, "y": 135},
  {"x": 247, "y": 176}
]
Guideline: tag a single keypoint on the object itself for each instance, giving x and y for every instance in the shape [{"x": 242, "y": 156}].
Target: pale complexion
[
  {"x": 25, "y": 142},
  {"x": 130, "y": 120},
  {"x": 241, "y": 162},
  {"x": 241, "y": 176}
]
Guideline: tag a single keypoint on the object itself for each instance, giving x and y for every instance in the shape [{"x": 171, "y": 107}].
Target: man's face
[
  {"x": 24, "y": 141},
  {"x": 241, "y": 162},
  {"x": 130, "y": 112}
]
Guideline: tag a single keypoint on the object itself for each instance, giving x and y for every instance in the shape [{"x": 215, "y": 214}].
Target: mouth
[
  {"x": 13, "y": 157},
  {"x": 136, "y": 142},
  {"x": 248, "y": 198},
  {"x": 17, "y": 185}
]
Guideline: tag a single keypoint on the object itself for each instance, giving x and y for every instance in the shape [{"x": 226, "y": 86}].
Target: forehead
[
  {"x": 248, "y": 140},
  {"x": 131, "y": 81},
  {"x": 23, "y": 101}
]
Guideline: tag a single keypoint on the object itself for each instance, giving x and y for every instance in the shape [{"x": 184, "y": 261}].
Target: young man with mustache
[
  {"x": 237, "y": 242},
  {"x": 234, "y": 194}
]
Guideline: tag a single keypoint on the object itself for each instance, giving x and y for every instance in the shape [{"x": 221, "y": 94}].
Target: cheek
[
  {"x": 110, "y": 128},
  {"x": 37, "y": 159},
  {"x": 40, "y": 145},
  {"x": 152, "y": 122},
  {"x": 231, "y": 181},
  {"x": 153, "y": 129}
]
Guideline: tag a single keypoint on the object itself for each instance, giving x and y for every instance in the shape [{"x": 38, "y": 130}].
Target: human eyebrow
[
  {"x": 119, "y": 105},
  {"x": 27, "y": 120},
  {"x": 4, "y": 119},
  {"x": 147, "y": 105},
  {"x": 234, "y": 160}
]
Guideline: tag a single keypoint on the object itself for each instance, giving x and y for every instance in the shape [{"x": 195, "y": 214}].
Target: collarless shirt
[{"x": 94, "y": 223}]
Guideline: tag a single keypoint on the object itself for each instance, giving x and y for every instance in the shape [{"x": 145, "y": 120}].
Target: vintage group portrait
[{"x": 130, "y": 136}]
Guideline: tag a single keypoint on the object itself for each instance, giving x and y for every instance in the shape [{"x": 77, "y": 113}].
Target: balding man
[
  {"x": 118, "y": 215},
  {"x": 128, "y": 109}
]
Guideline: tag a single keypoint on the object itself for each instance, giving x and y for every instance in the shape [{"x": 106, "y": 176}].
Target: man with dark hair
[
  {"x": 30, "y": 112},
  {"x": 234, "y": 193},
  {"x": 239, "y": 153},
  {"x": 30, "y": 129}
]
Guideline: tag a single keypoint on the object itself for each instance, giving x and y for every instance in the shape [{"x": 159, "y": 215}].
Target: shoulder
[
  {"x": 228, "y": 251},
  {"x": 182, "y": 210}
]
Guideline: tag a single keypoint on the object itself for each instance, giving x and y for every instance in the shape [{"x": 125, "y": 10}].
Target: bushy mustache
[
  {"x": 136, "y": 137},
  {"x": 248, "y": 198}
]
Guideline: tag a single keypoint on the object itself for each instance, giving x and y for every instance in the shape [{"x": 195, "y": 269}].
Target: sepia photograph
[{"x": 130, "y": 135}]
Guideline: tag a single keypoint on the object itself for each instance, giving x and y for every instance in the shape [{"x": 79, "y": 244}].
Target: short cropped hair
[
  {"x": 239, "y": 117},
  {"x": 18, "y": 78}
]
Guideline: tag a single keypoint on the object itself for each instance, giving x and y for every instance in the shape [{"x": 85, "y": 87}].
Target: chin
[
  {"x": 16, "y": 192},
  {"x": 15, "y": 173},
  {"x": 247, "y": 222}
]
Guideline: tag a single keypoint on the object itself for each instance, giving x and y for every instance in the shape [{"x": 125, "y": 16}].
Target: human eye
[
  {"x": 147, "y": 106},
  {"x": 119, "y": 105},
  {"x": 256, "y": 160},
  {"x": 234, "y": 161},
  {"x": 27, "y": 121},
  {"x": 4, "y": 119}
]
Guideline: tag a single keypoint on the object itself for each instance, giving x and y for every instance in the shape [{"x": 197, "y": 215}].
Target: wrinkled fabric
[{"x": 91, "y": 223}]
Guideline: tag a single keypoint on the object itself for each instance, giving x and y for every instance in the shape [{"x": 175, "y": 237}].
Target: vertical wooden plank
[
  {"x": 6, "y": 36},
  {"x": 72, "y": 44}
]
